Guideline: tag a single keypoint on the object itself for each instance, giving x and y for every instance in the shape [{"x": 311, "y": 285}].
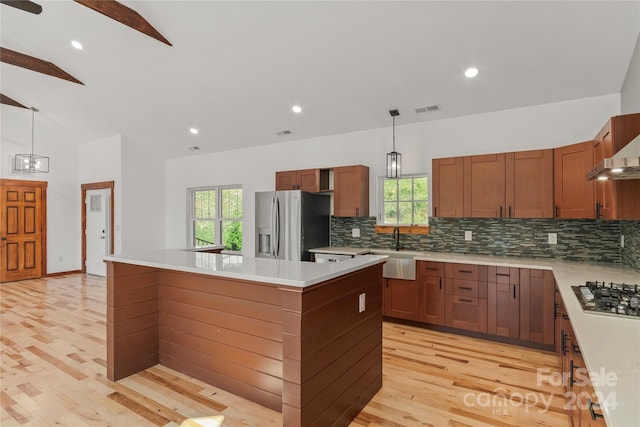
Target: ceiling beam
[
  {"x": 26, "y": 5},
  {"x": 8, "y": 101},
  {"x": 35, "y": 64},
  {"x": 124, "y": 15}
]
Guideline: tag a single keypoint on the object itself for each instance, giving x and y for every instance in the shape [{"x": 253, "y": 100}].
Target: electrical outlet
[
  {"x": 622, "y": 241},
  {"x": 553, "y": 238},
  {"x": 361, "y": 304},
  {"x": 355, "y": 232},
  {"x": 468, "y": 236}
]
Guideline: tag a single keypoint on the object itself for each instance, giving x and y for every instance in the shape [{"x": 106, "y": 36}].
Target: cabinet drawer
[
  {"x": 505, "y": 275},
  {"x": 430, "y": 268},
  {"x": 471, "y": 301},
  {"x": 463, "y": 271},
  {"x": 462, "y": 288}
]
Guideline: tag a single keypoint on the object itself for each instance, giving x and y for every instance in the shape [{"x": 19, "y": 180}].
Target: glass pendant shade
[
  {"x": 394, "y": 159},
  {"x": 31, "y": 163},
  {"x": 394, "y": 165}
]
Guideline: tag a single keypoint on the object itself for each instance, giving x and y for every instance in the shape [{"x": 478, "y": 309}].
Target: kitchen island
[{"x": 297, "y": 337}]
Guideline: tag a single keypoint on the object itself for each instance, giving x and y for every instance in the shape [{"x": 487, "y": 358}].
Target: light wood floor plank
[{"x": 53, "y": 373}]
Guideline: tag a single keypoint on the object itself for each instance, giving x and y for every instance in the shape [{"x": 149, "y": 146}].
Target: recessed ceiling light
[
  {"x": 194, "y": 131},
  {"x": 296, "y": 109},
  {"x": 471, "y": 72},
  {"x": 76, "y": 44}
]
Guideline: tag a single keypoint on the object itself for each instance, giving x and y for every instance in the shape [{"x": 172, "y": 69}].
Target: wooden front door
[{"x": 22, "y": 229}]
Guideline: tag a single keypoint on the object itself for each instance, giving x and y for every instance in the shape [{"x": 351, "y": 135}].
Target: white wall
[
  {"x": 143, "y": 195},
  {"x": 63, "y": 189},
  {"x": 630, "y": 92},
  {"x": 543, "y": 126},
  {"x": 99, "y": 161}
]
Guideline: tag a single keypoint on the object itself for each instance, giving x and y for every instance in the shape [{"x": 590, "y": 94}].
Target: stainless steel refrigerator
[{"x": 289, "y": 223}]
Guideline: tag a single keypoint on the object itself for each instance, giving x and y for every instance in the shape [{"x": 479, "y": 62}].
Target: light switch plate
[
  {"x": 553, "y": 238},
  {"x": 355, "y": 232},
  {"x": 361, "y": 304},
  {"x": 468, "y": 236}
]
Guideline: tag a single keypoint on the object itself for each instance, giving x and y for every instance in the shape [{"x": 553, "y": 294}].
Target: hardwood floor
[{"x": 52, "y": 373}]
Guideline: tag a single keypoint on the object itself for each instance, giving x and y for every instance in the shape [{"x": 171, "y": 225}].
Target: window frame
[
  {"x": 218, "y": 220},
  {"x": 381, "y": 201}
]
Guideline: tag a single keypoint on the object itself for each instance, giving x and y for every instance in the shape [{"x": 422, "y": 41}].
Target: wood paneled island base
[{"x": 304, "y": 351}]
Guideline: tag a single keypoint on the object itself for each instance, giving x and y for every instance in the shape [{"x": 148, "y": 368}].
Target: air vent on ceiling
[
  {"x": 427, "y": 109},
  {"x": 284, "y": 132}
]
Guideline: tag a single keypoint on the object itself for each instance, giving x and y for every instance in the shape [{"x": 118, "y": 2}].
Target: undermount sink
[{"x": 399, "y": 265}]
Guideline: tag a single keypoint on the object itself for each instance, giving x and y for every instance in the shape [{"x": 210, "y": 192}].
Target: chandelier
[{"x": 31, "y": 163}]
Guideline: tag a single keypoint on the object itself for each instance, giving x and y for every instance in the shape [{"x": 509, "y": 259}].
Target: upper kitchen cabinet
[
  {"x": 484, "y": 186},
  {"x": 311, "y": 180},
  {"x": 351, "y": 191},
  {"x": 574, "y": 195},
  {"x": 529, "y": 184},
  {"x": 616, "y": 199},
  {"x": 448, "y": 187}
]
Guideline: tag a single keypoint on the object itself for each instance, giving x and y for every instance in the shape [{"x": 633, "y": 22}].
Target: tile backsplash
[{"x": 577, "y": 240}]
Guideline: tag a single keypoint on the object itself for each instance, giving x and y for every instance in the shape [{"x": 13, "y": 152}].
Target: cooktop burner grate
[{"x": 615, "y": 299}]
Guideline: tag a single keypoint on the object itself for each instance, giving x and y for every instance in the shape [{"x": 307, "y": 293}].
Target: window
[
  {"x": 404, "y": 201},
  {"x": 215, "y": 217}
]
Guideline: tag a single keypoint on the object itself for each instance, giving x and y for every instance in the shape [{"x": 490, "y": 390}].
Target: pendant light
[
  {"x": 394, "y": 159},
  {"x": 31, "y": 163}
]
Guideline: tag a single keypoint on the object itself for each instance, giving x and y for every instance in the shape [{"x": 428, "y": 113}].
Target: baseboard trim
[{"x": 62, "y": 273}]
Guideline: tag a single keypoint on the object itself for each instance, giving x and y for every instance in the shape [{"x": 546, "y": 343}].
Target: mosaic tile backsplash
[
  {"x": 578, "y": 240},
  {"x": 630, "y": 254}
]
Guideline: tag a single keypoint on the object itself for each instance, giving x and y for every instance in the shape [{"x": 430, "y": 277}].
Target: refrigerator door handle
[
  {"x": 272, "y": 244},
  {"x": 277, "y": 249}
]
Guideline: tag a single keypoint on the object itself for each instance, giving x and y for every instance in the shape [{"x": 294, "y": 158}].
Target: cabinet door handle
[
  {"x": 503, "y": 274},
  {"x": 571, "y": 378},
  {"x": 594, "y": 416},
  {"x": 466, "y": 288},
  {"x": 500, "y": 211},
  {"x": 435, "y": 211},
  {"x": 431, "y": 268},
  {"x": 509, "y": 211},
  {"x": 514, "y": 291},
  {"x": 598, "y": 210},
  {"x": 465, "y": 271},
  {"x": 441, "y": 283},
  {"x": 464, "y": 300},
  {"x": 563, "y": 345},
  {"x": 557, "y": 211},
  {"x": 357, "y": 211}
]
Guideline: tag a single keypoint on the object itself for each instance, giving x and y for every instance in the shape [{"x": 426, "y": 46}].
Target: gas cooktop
[{"x": 615, "y": 299}]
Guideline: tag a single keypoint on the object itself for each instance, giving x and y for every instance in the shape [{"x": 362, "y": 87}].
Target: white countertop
[
  {"x": 280, "y": 272},
  {"x": 609, "y": 344}
]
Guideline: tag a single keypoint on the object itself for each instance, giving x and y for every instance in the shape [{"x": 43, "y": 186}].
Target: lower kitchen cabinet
[
  {"x": 582, "y": 402},
  {"x": 431, "y": 291},
  {"x": 537, "y": 313},
  {"x": 465, "y": 297},
  {"x": 401, "y": 299},
  {"x": 504, "y": 302},
  {"x": 508, "y": 302}
]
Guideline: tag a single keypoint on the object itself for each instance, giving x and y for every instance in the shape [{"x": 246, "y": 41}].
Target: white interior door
[{"x": 97, "y": 231}]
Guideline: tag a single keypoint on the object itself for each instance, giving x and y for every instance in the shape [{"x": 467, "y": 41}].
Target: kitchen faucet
[{"x": 396, "y": 236}]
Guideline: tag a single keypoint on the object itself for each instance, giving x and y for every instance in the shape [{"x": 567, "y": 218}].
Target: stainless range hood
[{"x": 625, "y": 164}]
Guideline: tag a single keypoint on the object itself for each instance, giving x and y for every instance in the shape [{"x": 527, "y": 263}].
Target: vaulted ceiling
[{"x": 234, "y": 69}]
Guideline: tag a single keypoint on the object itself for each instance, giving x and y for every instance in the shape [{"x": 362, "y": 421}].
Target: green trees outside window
[
  {"x": 216, "y": 216},
  {"x": 405, "y": 201}
]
